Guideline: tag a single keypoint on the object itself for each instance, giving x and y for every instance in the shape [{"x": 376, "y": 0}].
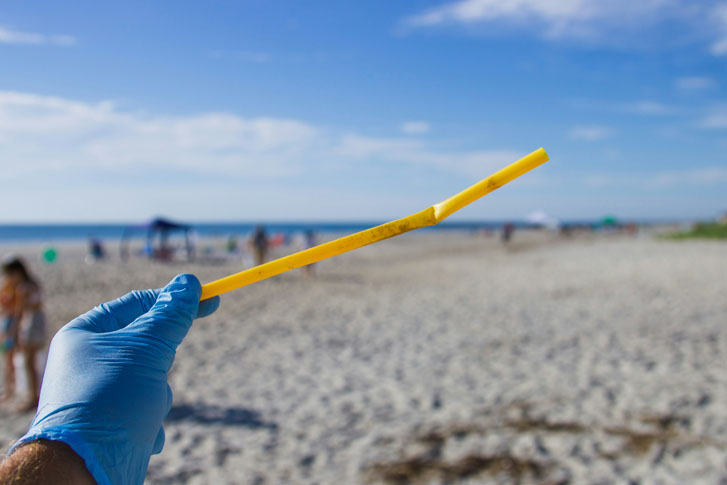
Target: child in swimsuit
[
  {"x": 8, "y": 336},
  {"x": 29, "y": 319}
]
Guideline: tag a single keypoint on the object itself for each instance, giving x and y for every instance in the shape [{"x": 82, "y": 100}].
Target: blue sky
[{"x": 350, "y": 110}]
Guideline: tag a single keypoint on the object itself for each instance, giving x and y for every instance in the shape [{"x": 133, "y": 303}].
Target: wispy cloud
[
  {"x": 42, "y": 134},
  {"x": 598, "y": 180},
  {"x": 409, "y": 151},
  {"x": 554, "y": 13},
  {"x": 700, "y": 176},
  {"x": 416, "y": 127},
  {"x": 560, "y": 18},
  {"x": 695, "y": 177},
  {"x": 648, "y": 108},
  {"x": 595, "y": 20},
  {"x": 694, "y": 83},
  {"x": 590, "y": 132},
  {"x": 716, "y": 119},
  {"x": 257, "y": 57},
  {"x": 10, "y": 36},
  {"x": 719, "y": 16}
]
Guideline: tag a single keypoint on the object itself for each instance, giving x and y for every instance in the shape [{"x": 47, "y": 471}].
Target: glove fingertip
[
  {"x": 188, "y": 281},
  {"x": 172, "y": 314},
  {"x": 158, "y": 442},
  {"x": 208, "y": 307}
]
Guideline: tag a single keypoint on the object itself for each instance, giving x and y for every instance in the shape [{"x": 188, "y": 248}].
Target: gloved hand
[{"x": 105, "y": 390}]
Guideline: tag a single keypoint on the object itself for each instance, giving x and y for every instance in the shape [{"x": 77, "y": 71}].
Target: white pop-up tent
[{"x": 541, "y": 219}]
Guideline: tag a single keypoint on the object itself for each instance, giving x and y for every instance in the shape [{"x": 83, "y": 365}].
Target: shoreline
[{"x": 54, "y": 234}]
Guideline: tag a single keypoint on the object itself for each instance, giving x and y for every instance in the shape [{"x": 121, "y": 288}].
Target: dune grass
[{"x": 703, "y": 231}]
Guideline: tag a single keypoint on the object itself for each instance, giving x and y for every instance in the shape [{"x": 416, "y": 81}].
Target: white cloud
[
  {"x": 10, "y": 36},
  {"x": 666, "y": 179},
  {"x": 595, "y": 20},
  {"x": 560, "y": 18},
  {"x": 648, "y": 108},
  {"x": 719, "y": 16},
  {"x": 477, "y": 164},
  {"x": 97, "y": 160},
  {"x": 358, "y": 146},
  {"x": 415, "y": 127},
  {"x": 590, "y": 133},
  {"x": 719, "y": 47},
  {"x": 40, "y": 133},
  {"x": 46, "y": 134},
  {"x": 555, "y": 13},
  {"x": 700, "y": 177},
  {"x": 598, "y": 180},
  {"x": 694, "y": 83},
  {"x": 716, "y": 119}
]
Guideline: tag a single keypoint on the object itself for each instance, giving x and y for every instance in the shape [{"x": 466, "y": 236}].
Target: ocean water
[{"x": 49, "y": 233}]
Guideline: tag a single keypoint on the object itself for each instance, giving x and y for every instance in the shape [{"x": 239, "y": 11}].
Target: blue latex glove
[{"x": 105, "y": 390}]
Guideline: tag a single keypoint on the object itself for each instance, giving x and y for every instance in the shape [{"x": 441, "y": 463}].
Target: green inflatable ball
[{"x": 50, "y": 255}]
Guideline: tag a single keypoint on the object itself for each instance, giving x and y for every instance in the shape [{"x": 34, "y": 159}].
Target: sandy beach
[{"x": 442, "y": 358}]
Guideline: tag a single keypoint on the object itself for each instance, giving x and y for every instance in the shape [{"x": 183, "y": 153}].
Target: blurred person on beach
[
  {"x": 28, "y": 324},
  {"x": 165, "y": 252},
  {"x": 105, "y": 392},
  {"x": 309, "y": 241},
  {"x": 9, "y": 339},
  {"x": 96, "y": 251},
  {"x": 260, "y": 245},
  {"x": 507, "y": 231}
]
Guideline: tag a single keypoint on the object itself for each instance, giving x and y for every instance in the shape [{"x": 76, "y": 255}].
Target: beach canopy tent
[
  {"x": 541, "y": 219},
  {"x": 157, "y": 233}
]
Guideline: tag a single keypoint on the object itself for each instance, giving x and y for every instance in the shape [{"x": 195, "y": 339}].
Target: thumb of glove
[{"x": 171, "y": 315}]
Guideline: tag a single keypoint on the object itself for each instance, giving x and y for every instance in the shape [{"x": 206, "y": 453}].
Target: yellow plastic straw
[{"x": 428, "y": 217}]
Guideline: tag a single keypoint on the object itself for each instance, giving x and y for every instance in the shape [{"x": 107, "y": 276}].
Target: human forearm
[{"x": 42, "y": 462}]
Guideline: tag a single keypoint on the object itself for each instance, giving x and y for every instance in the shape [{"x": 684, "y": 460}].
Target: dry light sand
[{"x": 444, "y": 358}]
